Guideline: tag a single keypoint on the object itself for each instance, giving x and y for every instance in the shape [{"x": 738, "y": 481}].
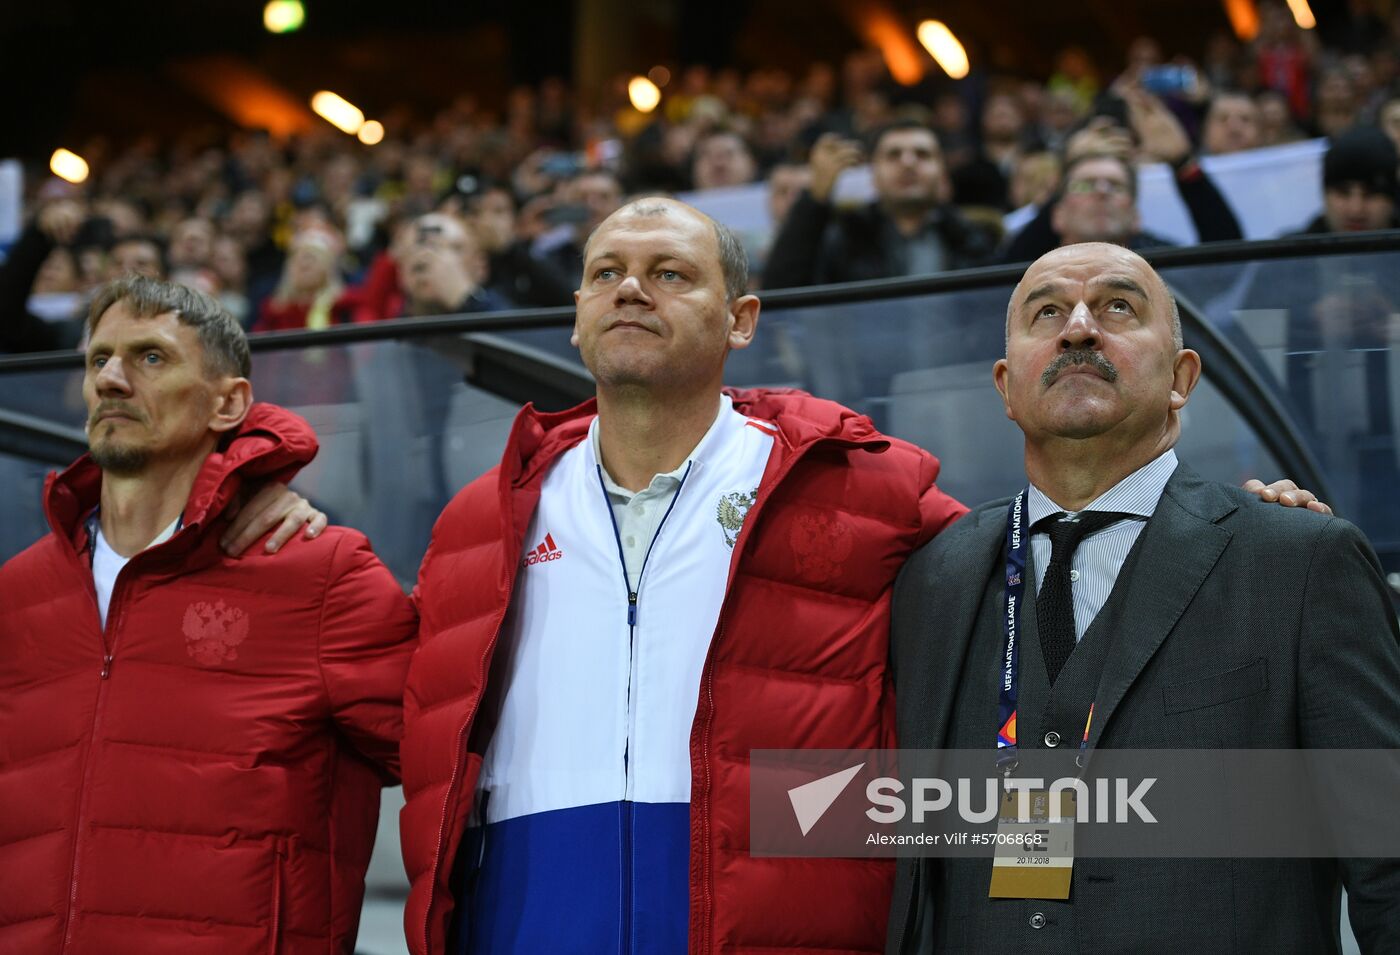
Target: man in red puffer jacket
[
  {"x": 191, "y": 747},
  {"x": 645, "y": 590}
]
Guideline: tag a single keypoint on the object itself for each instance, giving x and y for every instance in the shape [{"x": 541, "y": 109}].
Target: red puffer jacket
[
  {"x": 203, "y": 777},
  {"x": 798, "y": 660}
]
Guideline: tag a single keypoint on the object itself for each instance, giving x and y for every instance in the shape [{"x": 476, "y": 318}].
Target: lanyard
[
  {"x": 1017, "y": 545},
  {"x": 633, "y": 596}
]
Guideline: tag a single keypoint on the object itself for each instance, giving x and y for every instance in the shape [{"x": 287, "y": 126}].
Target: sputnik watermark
[
  {"x": 1208, "y": 803},
  {"x": 1107, "y": 800},
  {"x": 1112, "y": 800}
]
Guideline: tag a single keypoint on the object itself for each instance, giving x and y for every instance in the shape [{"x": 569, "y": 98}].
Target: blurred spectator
[
  {"x": 786, "y": 182},
  {"x": 435, "y": 266},
  {"x": 1143, "y": 54},
  {"x": 1222, "y": 64},
  {"x": 1075, "y": 73},
  {"x": 985, "y": 180},
  {"x": 910, "y": 228},
  {"x": 952, "y": 128},
  {"x": 310, "y": 293},
  {"x": 1151, "y": 134},
  {"x": 1035, "y": 179},
  {"x": 249, "y": 220},
  {"x": 1060, "y": 112},
  {"x": 1337, "y": 107},
  {"x": 1356, "y": 29},
  {"x": 191, "y": 244},
  {"x": 1359, "y": 183},
  {"x": 1283, "y": 56},
  {"x": 515, "y": 275},
  {"x": 1099, "y": 204},
  {"x": 1388, "y": 118},
  {"x": 137, "y": 254},
  {"x": 230, "y": 265},
  {"x": 575, "y": 210},
  {"x": 1232, "y": 124},
  {"x": 722, "y": 158},
  {"x": 1276, "y": 125},
  {"x": 55, "y": 227}
]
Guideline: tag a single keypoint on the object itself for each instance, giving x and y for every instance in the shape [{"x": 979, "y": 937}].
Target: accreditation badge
[{"x": 1034, "y": 858}]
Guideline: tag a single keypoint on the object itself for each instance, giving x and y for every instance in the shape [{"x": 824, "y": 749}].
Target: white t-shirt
[{"x": 107, "y": 564}]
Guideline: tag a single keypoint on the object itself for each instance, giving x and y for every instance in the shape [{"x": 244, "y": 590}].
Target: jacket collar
[
  {"x": 538, "y": 438},
  {"x": 272, "y": 444}
]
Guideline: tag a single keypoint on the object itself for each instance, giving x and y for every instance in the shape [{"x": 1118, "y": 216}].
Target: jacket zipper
[
  {"x": 452, "y": 786},
  {"x": 633, "y": 600},
  {"x": 278, "y": 857},
  {"x": 116, "y": 610},
  {"x": 700, "y": 938},
  {"x": 457, "y": 757}
]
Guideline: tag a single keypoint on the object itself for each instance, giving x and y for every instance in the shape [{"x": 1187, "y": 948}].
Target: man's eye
[
  {"x": 670, "y": 275},
  {"x": 99, "y": 360},
  {"x": 151, "y": 358},
  {"x": 1118, "y": 305},
  {"x": 605, "y": 275},
  {"x": 1047, "y": 311}
]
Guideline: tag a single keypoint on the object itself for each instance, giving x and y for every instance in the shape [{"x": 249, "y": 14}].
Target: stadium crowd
[{"x": 486, "y": 206}]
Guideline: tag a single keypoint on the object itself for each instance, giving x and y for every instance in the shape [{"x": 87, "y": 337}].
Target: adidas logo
[{"x": 547, "y": 550}]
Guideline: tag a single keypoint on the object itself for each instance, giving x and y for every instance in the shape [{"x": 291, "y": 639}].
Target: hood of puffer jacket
[
  {"x": 539, "y": 437},
  {"x": 271, "y": 444}
]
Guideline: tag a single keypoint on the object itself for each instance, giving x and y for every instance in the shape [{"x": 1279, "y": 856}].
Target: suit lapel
[
  {"x": 956, "y": 616},
  {"x": 1179, "y": 546}
]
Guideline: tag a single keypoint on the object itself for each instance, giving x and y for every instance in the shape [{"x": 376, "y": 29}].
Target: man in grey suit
[{"x": 1170, "y": 618}]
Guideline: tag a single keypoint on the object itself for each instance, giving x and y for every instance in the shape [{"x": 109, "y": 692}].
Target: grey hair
[{"x": 225, "y": 345}]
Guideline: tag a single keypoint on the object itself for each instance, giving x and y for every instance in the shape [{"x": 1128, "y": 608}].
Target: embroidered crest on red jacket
[
  {"x": 820, "y": 545},
  {"x": 213, "y": 631}
]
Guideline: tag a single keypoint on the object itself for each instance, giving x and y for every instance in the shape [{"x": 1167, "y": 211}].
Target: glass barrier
[
  {"x": 1323, "y": 333},
  {"x": 400, "y": 430}
]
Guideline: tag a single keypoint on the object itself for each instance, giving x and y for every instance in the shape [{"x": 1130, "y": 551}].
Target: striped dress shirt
[{"x": 1100, "y": 555}]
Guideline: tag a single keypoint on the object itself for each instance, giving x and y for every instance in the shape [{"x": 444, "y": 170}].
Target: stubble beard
[{"x": 116, "y": 458}]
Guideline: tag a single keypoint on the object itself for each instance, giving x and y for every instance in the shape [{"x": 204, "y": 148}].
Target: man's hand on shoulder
[
  {"x": 274, "y": 505},
  {"x": 1287, "y": 493}
]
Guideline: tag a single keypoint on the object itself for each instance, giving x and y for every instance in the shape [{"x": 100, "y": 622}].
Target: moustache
[
  {"x": 1079, "y": 356},
  {"x": 117, "y": 406}
]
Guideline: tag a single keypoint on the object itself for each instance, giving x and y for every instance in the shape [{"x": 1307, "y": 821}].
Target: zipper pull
[
  {"x": 106, "y": 666},
  {"x": 631, "y": 608}
]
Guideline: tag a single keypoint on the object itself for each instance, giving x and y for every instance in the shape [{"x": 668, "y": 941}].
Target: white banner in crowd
[
  {"x": 1272, "y": 191},
  {"x": 11, "y": 200}
]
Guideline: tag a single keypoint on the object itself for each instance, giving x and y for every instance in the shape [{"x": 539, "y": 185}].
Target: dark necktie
[{"x": 1054, "y": 604}]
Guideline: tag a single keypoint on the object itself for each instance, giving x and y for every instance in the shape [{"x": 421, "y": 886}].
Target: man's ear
[
  {"x": 235, "y": 398},
  {"x": 1186, "y": 371},
  {"x": 1001, "y": 373},
  {"x": 743, "y": 319}
]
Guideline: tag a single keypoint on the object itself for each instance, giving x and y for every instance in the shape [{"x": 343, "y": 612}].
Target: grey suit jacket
[{"x": 1255, "y": 626}]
